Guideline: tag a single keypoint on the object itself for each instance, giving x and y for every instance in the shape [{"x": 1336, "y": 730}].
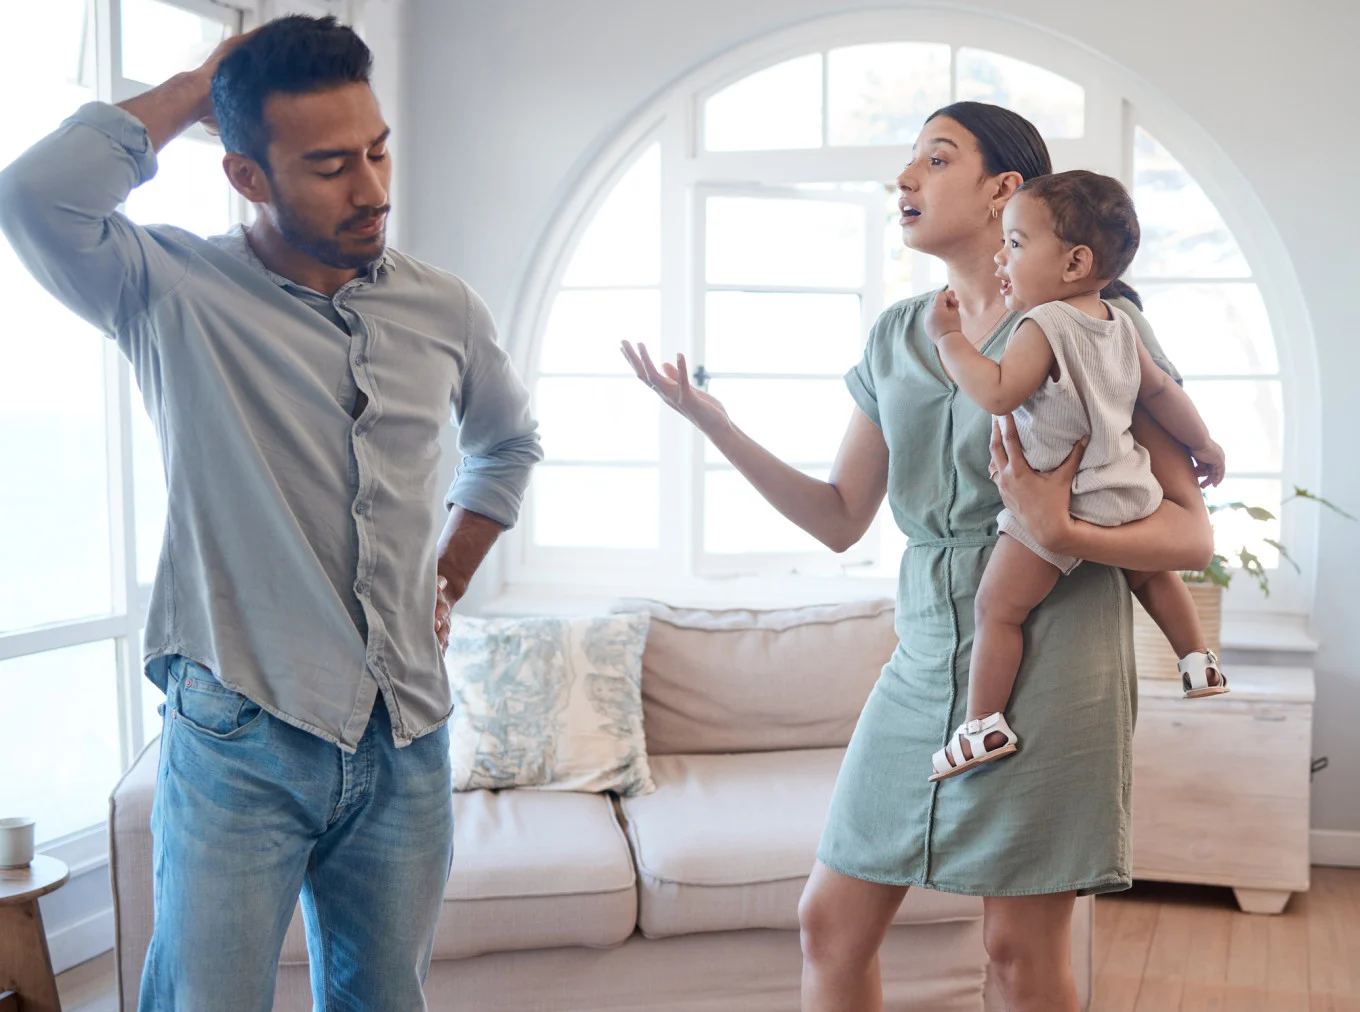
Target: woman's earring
[{"x": 993, "y": 210}]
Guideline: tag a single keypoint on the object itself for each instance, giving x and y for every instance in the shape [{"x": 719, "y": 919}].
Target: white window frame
[
  {"x": 870, "y": 294},
  {"x": 1116, "y": 99},
  {"x": 129, "y": 599}
]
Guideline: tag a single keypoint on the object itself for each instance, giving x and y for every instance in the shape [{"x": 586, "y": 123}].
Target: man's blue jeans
[{"x": 249, "y": 811}]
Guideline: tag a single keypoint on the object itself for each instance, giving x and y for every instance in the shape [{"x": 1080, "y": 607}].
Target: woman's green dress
[{"x": 1054, "y": 816}]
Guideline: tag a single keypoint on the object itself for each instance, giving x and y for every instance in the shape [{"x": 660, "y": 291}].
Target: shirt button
[
  {"x": 360, "y": 509},
  {"x": 360, "y": 360},
  {"x": 361, "y": 587}
]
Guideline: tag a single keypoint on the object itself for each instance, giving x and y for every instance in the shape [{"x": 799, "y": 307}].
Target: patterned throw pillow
[{"x": 553, "y": 703}]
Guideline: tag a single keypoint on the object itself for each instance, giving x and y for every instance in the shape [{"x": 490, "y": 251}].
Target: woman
[{"x": 1029, "y": 835}]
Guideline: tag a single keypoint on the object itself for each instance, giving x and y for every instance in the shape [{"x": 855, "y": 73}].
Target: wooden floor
[
  {"x": 1165, "y": 948},
  {"x": 1158, "y": 948}
]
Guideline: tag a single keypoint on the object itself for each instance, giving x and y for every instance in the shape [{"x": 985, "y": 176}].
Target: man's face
[{"x": 330, "y": 173}]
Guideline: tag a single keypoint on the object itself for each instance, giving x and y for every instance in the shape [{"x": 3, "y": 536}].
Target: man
[{"x": 298, "y": 373}]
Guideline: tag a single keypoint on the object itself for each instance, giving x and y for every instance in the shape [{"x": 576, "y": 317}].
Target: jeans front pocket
[{"x": 209, "y": 707}]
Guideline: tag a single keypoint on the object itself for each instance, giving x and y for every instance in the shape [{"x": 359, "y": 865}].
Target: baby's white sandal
[
  {"x": 1195, "y": 669},
  {"x": 949, "y": 761}
]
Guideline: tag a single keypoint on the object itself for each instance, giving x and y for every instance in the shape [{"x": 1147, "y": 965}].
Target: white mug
[{"x": 16, "y": 843}]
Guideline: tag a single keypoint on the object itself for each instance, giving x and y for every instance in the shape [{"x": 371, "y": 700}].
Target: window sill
[
  {"x": 1252, "y": 631},
  {"x": 83, "y": 851},
  {"x": 1278, "y": 633}
]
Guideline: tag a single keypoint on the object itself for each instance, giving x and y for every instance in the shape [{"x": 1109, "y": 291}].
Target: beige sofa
[{"x": 684, "y": 900}]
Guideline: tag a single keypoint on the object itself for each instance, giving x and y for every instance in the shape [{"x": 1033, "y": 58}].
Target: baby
[{"x": 1074, "y": 369}]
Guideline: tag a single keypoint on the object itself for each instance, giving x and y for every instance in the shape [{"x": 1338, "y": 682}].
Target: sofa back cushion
[{"x": 757, "y": 681}]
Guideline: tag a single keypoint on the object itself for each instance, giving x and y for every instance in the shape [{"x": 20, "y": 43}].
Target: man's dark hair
[{"x": 294, "y": 55}]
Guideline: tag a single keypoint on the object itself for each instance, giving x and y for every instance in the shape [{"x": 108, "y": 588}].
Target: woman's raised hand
[{"x": 672, "y": 385}]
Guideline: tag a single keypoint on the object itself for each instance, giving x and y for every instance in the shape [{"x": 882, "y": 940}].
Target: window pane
[
  {"x": 801, "y": 421},
  {"x": 598, "y": 419},
  {"x": 60, "y": 729},
  {"x": 776, "y": 108},
  {"x": 585, "y": 329},
  {"x": 54, "y": 516},
  {"x": 906, "y": 272},
  {"x": 148, "y": 490},
  {"x": 152, "y": 697},
  {"x": 1055, "y": 105},
  {"x": 596, "y": 507},
  {"x": 1246, "y": 418},
  {"x": 1215, "y": 330},
  {"x": 882, "y": 93},
  {"x": 737, "y": 519},
  {"x": 152, "y": 722},
  {"x": 761, "y": 241},
  {"x": 622, "y": 244},
  {"x": 54, "y": 521},
  {"x": 1234, "y": 529},
  {"x": 160, "y": 41},
  {"x": 1183, "y": 233},
  {"x": 189, "y": 189},
  {"x": 779, "y": 332}
]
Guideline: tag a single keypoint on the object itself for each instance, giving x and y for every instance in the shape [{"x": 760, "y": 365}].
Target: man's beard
[{"x": 328, "y": 250}]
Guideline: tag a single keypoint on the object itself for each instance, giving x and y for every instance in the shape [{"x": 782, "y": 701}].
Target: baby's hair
[{"x": 1096, "y": 211}]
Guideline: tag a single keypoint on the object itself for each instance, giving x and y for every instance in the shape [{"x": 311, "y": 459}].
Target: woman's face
[{"x": 945, "y": 194}]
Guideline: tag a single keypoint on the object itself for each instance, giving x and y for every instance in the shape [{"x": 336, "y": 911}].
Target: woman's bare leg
[
  {"x": 1029, "y": 943},
  {"x": 844, "y": 921}
]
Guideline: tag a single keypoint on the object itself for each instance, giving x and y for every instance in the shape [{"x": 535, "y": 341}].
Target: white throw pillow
[{"x": 553, "y": 703}]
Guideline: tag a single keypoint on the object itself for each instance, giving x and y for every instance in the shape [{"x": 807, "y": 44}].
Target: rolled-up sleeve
[
  {"x": 59, "y": 210},
  {"x": 497, "y": 433}
]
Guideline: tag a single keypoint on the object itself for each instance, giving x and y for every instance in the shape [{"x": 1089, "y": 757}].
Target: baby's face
[{"x": 1032, "y": 260}]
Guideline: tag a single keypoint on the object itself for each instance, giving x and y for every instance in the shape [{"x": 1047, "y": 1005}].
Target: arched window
[{"x": 747, "y": 219}]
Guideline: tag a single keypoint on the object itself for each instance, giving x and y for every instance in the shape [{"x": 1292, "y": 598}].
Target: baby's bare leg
[
  {"x": 1167, "y": 599},
  {"x": 1014, "y": 583}
]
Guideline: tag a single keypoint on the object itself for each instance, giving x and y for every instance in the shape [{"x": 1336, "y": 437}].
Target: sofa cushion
[
  {"x": 727, "y": 842},
  {"x": 744, "y": 681},
  {"x": 554, "y": 703},
  {"x": 530, "y": 870}
]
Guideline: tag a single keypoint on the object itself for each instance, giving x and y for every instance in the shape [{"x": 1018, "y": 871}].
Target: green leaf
[
  {"x": 1255, "y": 512},
  {"x": 1284, "y": 553},
  {"x": 1252, "y": 565},
  {"x": 1218, "y": 573},
  {"x": 1303, "y": 493}
]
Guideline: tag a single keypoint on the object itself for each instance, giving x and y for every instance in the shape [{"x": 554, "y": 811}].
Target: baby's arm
[
  {"x": 1173, "y": 408},
  {"x": 997, "y": 387}
]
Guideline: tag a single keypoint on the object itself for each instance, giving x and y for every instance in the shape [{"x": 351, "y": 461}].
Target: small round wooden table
[{"x": 25, "y": 965}]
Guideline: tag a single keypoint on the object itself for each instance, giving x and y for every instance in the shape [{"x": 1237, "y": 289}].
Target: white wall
[{"x": 505, "y": 102}]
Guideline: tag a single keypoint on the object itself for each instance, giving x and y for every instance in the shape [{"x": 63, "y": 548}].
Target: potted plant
[{"x": 1153, "y": 655}]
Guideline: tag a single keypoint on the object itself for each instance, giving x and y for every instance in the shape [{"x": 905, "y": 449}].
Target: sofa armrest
[{"x": 130, "y": 853}]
